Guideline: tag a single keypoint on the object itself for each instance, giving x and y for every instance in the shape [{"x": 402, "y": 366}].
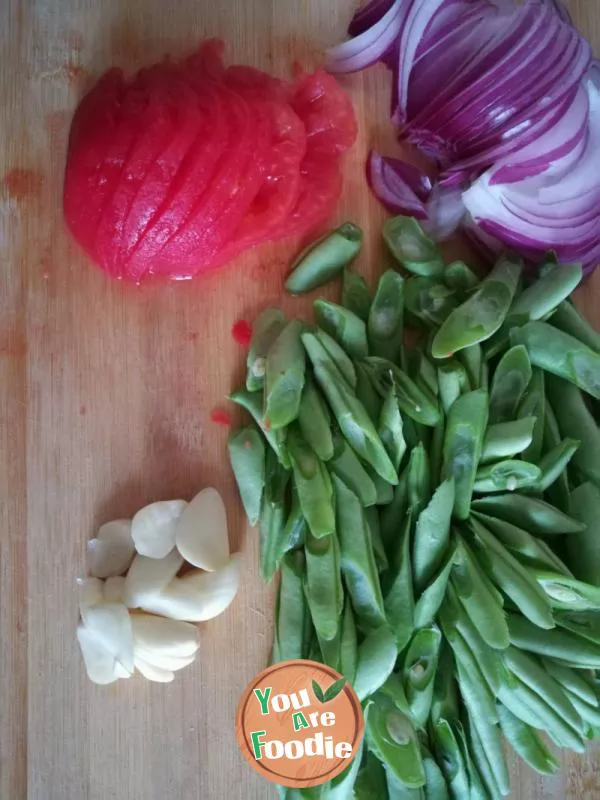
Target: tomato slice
[{"x": 326, "y": 111}]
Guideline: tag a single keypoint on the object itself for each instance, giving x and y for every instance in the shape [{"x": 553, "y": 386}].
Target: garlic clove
[
  {"x": 114, "y": 589},
  {"x": 159, "y": 635},
  {"x": 91, "y": 593},
  {"x": 111, "y": 625},
  {"x": 110, "y": 553},
  {"x": 121, "y": 672},
  {"x": 162, "y": 660},
  {"x": 99, "y": 662},
  {"x": 152, "y": 673},
  {"x": 153, "y": 528},
  {"x": 201, "y": 535},
  {"x": 147, "y": 577},
  {"x": 217, "y": 588}
]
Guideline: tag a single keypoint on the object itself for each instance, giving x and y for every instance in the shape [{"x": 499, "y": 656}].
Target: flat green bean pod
[
  {"x": 399, "y": 597},
  {"x": 432, "y": 597},
  {"x": 325, "y": 259},
  {"x": 355, "y": 294},
  {"x": 393, "y": 739},
  {"x": 450, "y": 757},
  {"x": 377, "y": 655},
  {"x": 432, "y": 535},
  {"x": 292, "y": 611},
  {"x": 534, "y": 405},
  {"x": 348, "y": 644},
  {"x": 527, "y": 742},
  {"x": 266, "y": 328},
  {"x": 415, "y": 401},
  {"x": 391, "y": 428},
  {"x": 338, "y": 356},
  {"x": 323, "y": 584},
  {"x": 314, "y": 420},
  {"x": 418, "y": 670},
  {"x": 507, "y": 439},
  {"x": 386, "y": 317},
  {"x": 554, "y": 463},
  {"x": 412, "y": 248},
  {"x": 571, "y": 681},
  {"x": 247, "y": 457},
  {"x": 562, "y": 644},
  {"x": 459, "y": 276},
  {"x": 428, "y": 301},
  {"x": 509, "y": 383},
  {"x": 583, "y": 552},
  {"x": 344, "y": 326},
  {"x": 253, "y": 403},
  {"x": 507, "y": 475},
  {"x": 313, "y": 485},
  {"x": 534, "y": 515},
  {"x": 284, "y": 379},
  {"x": 569, "y": 319},
  {"x": 371, "y": 781},
  {"x": 346, "y": 465},
  {"x": 472, "y": 359},
  {"x": 453, "y": 381}
]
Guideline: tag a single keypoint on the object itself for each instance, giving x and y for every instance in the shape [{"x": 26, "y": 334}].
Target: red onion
[{"x": 401, "y": 187}]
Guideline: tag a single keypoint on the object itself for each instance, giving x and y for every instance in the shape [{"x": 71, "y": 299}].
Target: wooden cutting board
[{"x": 105, "y": 396}]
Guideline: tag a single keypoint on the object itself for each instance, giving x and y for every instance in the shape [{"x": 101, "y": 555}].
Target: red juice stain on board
[
  {"x": 220, "y": 417},
  {"x": 22, "y": 184},
  {"x": 75, "y": 40},
  {"x": 74, "y": 73},
  {"x": 82, "y": 410},
  {"x": 242, "y": 332}
]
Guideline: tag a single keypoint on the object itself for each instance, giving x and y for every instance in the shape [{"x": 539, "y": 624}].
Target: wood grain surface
[{"x": 105, "y": 396}]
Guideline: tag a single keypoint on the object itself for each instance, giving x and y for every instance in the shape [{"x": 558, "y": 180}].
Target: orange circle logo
[{"x": 299, "y": 723}]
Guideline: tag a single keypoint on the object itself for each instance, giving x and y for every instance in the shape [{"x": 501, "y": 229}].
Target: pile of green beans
[{"x": 432, "y": 511}]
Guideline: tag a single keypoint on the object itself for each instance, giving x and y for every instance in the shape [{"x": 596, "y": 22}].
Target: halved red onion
[{"x": 401, "y": 187}]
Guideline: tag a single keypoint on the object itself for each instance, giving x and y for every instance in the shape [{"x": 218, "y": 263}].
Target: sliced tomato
[{"x": 326, "y": 111}]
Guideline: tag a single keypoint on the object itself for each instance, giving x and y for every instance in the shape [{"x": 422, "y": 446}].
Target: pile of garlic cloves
[{"x": 151, "y": 579}]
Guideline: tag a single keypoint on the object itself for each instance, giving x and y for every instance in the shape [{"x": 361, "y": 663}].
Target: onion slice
[{"x": 401, "y": 187}]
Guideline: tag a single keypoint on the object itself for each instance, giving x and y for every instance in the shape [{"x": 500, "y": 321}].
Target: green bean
[
  {"x": 323, "y": 584},
  {"x": 391, "y": 428},
  {"x": 265, "y": 330},
  {"x": 373, "y": 524},
  {"x": 506, "y": 476},
  {"x": 527, "y": 743},
  {"x": 342, "y": 786},
  {"x": 482, "y": 602},
  {"x": 459, "y": 276},
  {"x": 294, "y": 532},
  {"x": 371, "y": 781},
  {"x": 425, "y": 373},
  {"x": 525, "y": 547},
  {"x": 386, "y": 318},
  {"x": 569, "y": 319},
  {"x": 435, "y": 783},
  {"x": 392, "y": 738},
  {"x": 561, "y": 644},
  {"x": 418, "y": 670},
  {"x": 330, "y": 650},
  {"x": 571, "y": 681},
  {"x": 482, "y": 314},
  {"x": 450, "y": 758},
  {"x": 557, "y": 493},
  {"x": 432, "y": 597},
  {"x": 477, "y": 790},
  {"x": 392, "y": 516},
  {"x": 284, "y": 378},
  {"x": 366, "y": 393},
  {"x": 314, "y": 420},
  {"x": 432, "y": 535},
  {"x": 415, "y": 401},
  {"x": 396, "y": 790},
  {"x": 576, "y": 422},
  {"x": 510, "y": 381},
  {"x": 436, "y": 456},
  {"x": 534, "y": 515},
  {"x": 472, "y": 360},
  {"x": 253, "y": 403},
  {"x": 273, "y": 516},
  {"x": 412, "y": 248},
  {"x": 348, "y": 644},
  {"x": 428, "y": 301},
  {"x": 355, "y": 294},
  {"x": 463, "y": 445},
  {"x": 554, "y": 463},
  {"x": 399, "y": 598},
  {"x": 344, "y": 326},
  {"x": 338, "y": 356},
  {"x": 352, "y": 419},
  {"x": 588, "y": 713},
  {"x": 292, "y": 612},
  {"x": 394, "y": 689},
  {"x": 453, "y": 381},
  {"x": 511, "y": 577},
  {"x": 313, "y": 485},
  {"x": 324, "y": 259},
  {"x": 247, "y": 457},
  {"x": 444, "y": 704},
  {"x": 484, "y": 768},
  {"x": 383, "y": 489},
  {"x": 582, "y": 623},
  {"x": 377, "y": 655},
  {"x": 418, "y": 480},
  {"x": 534, "y": 405},
  {"x": 358, "y": 559},
  {"x": 346, "y": 465},
  {"x": 584, "y": 551},
  {"x": 533, "y": 675},
  {"x": 506, "y": 439},
  {"x": 560, "y": 354}
]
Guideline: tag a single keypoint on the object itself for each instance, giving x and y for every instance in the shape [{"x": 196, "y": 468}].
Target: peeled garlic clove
[
  {"x": 110, "y": 623},
  {"x": 114, "y": 589},
  {"x": 216, "y": 589},
  {"x": 201, "y": 535},
  {"x": 161, "y": 660},
  {"x": 173, "y": 604},
  {"x": 147, "y": 577},
  {"x": 121, "y": 672},
  {"x": 110, "y": 553},
  {"x": 91, "y": 593},
  {"x": 152, "y": 673},
  {"x": 153, "y": 528},
  {"x": 99, "y": 662},
  {"x": 164, "y": 636}
]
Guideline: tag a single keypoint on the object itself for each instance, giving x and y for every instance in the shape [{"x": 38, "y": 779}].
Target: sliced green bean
[
  {"x": 386, "y": 318},
  {"x": 294, "y": 532},
  {"x": 273, "y": 516},
  {"x": 450, "y": 758},
  {"x": 527, "y": 743},
  {"x": 576, "y": 421},
  {"x": 252, "y": 402},
  {"x": 554, "y": 463},
  {"x": 399, "y": 598},
  {"x": 534, "y": 405},
  {"x": 323, "y": 584},
  {"x": 330, "y": 650},
  {"x": 312, "y": 483},
  {"x": 392, "y": 517},
  {"x": 561, "y": 644},
  {"x": 453, "y": 381},
  {"x": 415, "y": 401},
  {"x": 582, "y": 623},
  {"x": 342, "y": 786},
  {"x": 325, "y": 259},
  {"x": 482, "y": 314},
  {"x": 419, "y": 669},
  {"x": 412, "y": 248},
  {"x": 432, "y": 535},
  {"x": 292, "y": 610},
  {"x": 472, "y": 360},
  {"x": 383, "y": 489},
  {"x": 391, "y": 428},
  {"x": 560, "y": 354},
  {"x": 371, "y": 515},
  {"x": 431, "y": 599},
  {"x": 460, "y": 277},
  {"x": 377, "y": 655},
  {"x": 247, "y": 457},
  {"x": 534, "y": 515},
  {"x": 445, "y": 690},
  {"x": 569, "y": 319},
  {"x": 394, "y": 689},
  {"x": 265, "y": 330},
  {"x": 338, "y": 356},
  {"x": 571, "y": 681},
  {"x": 429, "y": 301},
  {"x": 367, "y": 394},
  {"x": 314, "y": 420},
  {"x": 347, "y": 466},
  {"x": 463, "y": 445},
  {"x": 357, "y": 558},
  {"x": 348, "y": 644},
  {"x": 588, "y": 713},
  {"x": 584, "y": 551},
  {"x": 509, "y": 383},
  {"x": 393, "y": 739},
  {"x": 507, "y": 476},
  {"x": 477, "y": 790},
  {"x": 371, "y": 781},
  {"x": 435, "y": 783},
  {"x": 284, "y": 378},
  {"x": 355, "y": 294},
  {"x": 506, "y": 439},
  {"x": 344, "y": 326},
  {"x": 419, "y": 480}
]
